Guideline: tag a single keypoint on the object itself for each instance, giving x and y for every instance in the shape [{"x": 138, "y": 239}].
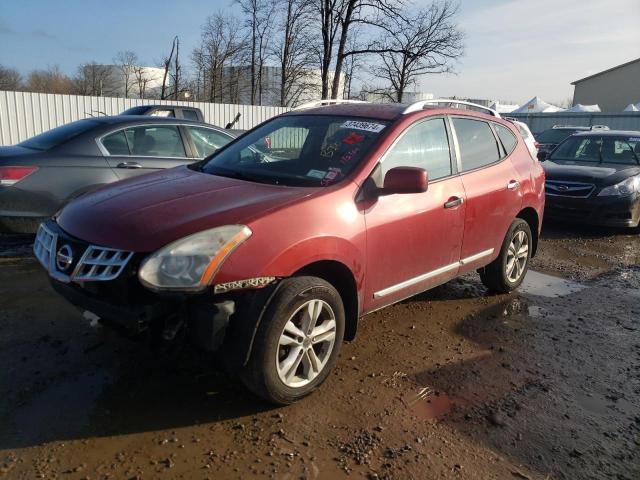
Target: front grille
[
  {"x": 58, "y": 254},
  {"x": 569, "y": 189}
]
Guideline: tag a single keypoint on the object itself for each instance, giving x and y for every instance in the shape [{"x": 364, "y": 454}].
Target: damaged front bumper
[{"x": 104, "y": 282}]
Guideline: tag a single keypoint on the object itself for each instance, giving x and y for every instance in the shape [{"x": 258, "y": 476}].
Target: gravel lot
[{"x": 454, "y": 383}]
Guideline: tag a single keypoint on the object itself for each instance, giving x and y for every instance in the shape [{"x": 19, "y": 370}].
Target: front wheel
[
  {"x": 297, "y": 342},
  {"x": 507, "y": 271}
]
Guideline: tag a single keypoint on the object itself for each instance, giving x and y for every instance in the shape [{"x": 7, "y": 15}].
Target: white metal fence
[{"x": 25, "y": 114}]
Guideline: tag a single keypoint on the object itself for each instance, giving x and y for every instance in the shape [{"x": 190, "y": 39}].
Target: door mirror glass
[{"x": 405, "y": 180}]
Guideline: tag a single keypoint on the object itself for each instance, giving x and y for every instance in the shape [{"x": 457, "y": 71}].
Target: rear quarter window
[
  {"x": 478, "y": 145},
  {"x": 508, "y": 139}
]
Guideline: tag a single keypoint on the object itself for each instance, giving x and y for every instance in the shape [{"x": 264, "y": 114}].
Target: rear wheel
[
  {"x": 297, "y": 342},
  {"x": 507, "y": 271}
]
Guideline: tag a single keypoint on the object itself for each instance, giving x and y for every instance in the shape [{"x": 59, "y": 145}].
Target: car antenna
[{"x": 231, "y": 124}]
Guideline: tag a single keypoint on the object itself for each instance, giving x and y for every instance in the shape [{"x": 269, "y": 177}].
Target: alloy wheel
[
  {"x": 517, "y": 256},
  {"x": 306, "y": 343}
]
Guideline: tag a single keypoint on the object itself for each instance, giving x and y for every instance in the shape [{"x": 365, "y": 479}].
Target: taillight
[{"x": 12, "y": 175}]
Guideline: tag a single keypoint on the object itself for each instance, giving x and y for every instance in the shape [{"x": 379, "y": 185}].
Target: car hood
[
  {"x": 599, "y": 174},
  {"x": 145, "y": 213}
]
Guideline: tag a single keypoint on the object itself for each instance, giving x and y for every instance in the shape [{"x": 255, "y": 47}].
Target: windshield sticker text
[
  {"x": 347, "y": 157},
  {"x": 366, "y": 126}
]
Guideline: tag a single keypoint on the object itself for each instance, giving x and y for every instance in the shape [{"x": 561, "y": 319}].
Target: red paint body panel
[{"x": 384, "y": 241}]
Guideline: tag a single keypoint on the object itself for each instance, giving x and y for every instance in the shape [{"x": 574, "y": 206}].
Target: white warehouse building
[{"x": 308, "y": 87}]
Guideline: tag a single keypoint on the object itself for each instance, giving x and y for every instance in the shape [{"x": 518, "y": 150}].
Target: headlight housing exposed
[
  {"x": 191, "y": 263},
  {"x": 622, "y": 189}
]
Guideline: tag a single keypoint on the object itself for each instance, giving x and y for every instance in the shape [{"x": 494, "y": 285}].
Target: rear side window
[
  {"x": 478, "y": 146},
  {"x": 507, "y": 138},
  {"x": 425, "y": 145},
  {"x": 155, "y": 141},
  {"x": 190, "y": 115}
]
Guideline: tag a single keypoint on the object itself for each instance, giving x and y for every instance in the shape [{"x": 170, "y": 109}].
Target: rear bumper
[
  {"x": 605, "y": 211},
  {"x": 20, "y": 224},
  {"x": 21, "y": 211}
]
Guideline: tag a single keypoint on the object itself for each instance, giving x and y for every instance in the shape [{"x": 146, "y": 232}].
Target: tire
[
  {"x": 498, "y": 276},
  {"x": 280, "y": 368}
]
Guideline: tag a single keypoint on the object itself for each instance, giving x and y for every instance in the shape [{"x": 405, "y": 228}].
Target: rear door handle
[
  {"x": 454, "y": 202},
  {"x": 129, "y": 165},
  {"x": 513, "y": 185}
]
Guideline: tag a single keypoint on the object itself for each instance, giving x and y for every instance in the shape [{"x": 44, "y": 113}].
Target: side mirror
[
  {"x": 405, "y": 180},
  {"x": 542, "y": 156}
]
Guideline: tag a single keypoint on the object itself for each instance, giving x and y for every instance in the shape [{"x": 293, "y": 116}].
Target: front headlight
[
  {"x": 189, "y": 264},
  {"x": 622, "y": 189}
]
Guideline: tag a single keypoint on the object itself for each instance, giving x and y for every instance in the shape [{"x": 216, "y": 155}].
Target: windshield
[
  {"x": 555, "y": 135},
  {"x": 302, "y": 150},
  {"x": 599, "y": 149},
  {"x": 59, "y": 135}
]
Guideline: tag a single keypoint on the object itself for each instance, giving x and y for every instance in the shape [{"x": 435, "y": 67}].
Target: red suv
[{"x": 272, "y": 249}]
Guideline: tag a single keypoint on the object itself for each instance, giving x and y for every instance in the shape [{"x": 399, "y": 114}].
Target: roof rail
[
  {"x": 328, "y": 101},
  {"x": 414, "y": 107}
]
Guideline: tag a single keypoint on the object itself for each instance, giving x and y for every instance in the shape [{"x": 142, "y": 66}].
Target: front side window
[
  {"x": 424, "y": 145},
  {"x": 478, "y": 146},
  {"x": 155, "y": 141},
  {"x": 207, "y": 140},
  {"x": 305, "y": 150}
]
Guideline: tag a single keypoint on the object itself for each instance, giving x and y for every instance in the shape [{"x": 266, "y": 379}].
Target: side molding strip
[{"x": 431, "y": 274}]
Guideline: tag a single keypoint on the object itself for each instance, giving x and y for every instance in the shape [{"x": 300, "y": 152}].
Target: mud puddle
[{"x": 543, "y": 285}]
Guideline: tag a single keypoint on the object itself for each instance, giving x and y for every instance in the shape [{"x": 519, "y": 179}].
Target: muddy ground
[{"x": 539, "y": 384}]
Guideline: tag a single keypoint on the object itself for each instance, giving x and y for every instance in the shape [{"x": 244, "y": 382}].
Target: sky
[{"x": 514, "y": 49}]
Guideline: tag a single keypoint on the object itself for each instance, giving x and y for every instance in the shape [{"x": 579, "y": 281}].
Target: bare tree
[
  {"x": 10, "y": 79},
  {"x": 141, "y": 77},
  {"x": 338, "y": 18},
  {"x": 221, "y": 45},
  {"x": 426, "y": 43},
  {"x": 127, "y": 62},
  {"x": 51, "y": 80},
  {"x": 168, "y": 64},
  {"x": 259, "y": 22},
  {"x": 95, "y": 79},
  {"x": 292, "y": 51}
]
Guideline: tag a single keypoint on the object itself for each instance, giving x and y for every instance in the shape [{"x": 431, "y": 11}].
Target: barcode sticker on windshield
[
  {"x": 366, "y": 126},
  {"x": 634, "y": 139}
]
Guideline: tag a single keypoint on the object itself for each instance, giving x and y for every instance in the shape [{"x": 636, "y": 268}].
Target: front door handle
[
  {"x": 513, "y": 185},
  {"x": 454, "y": 202},
  {"x": 129, "y": 165}
]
